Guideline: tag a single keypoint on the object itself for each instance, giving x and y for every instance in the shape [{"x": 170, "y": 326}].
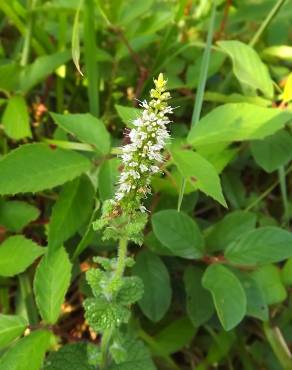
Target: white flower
[{"x": 142, "y": 156}]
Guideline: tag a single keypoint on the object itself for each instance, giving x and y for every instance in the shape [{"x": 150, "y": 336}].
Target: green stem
[
  {"x": 105, "y": 341},
  {"x": 90, "y": 52},
  {"x": 122, "y": 255},
  {"x": 28, "y": 34},
  {"x": 278, "y": 345},
  {"x": 201, "y": 87},
  {"x": 266, "y": 22},
  {"x": 27, "y": 297},
  {"x": 283, "y": 187}
]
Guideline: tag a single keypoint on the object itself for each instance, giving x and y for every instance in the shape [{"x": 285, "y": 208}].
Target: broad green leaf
[
  {"x": 199, "y": 172},
  {"x": 107, "y": 178},
  {"x": 268, "y": 278},
  {"x": 264, "y": 245},
  {"x": 15, "y": 214},
  {"x": 220, "y": 346},
  {"x": 179, "y": 233},
  {"x": 157, "y": 290},
  {"x": 137, "y": 357},
  {"x": 287, "y": 93},
  {"x": 86, "y": 128},
  {"x": 9, "y": 76},
  {"x": 228, "y": 295},
  {"x": 256, "y": 304},
  {"x": 71, "y": 211},
  {"x": 237, "y": 122},
  {"x": 200, "y": 307},
  {"x": 282, "y": 52},
  {"x": 132, "y": 10},
  {"x": 273, "y": 151},
  {"x": 51, "y": 282},
  {"x": 16, "y": 254},
  {"x": 155, "y": 245},
  {"x": 16, "y": 119},
  {"x": 175, "y": 336},
  {"x": 127, "y": 114},
  {"x": 228, "y": 229},
  {"x": 42, "y": 67},
  {"x": 11, "y": 327},
  {"x": 76, "y": 356},
  {"x": 28, "y": 353},
  {"x": 36, "y": 167},
  {"x": 286, "y": 273},
  {"x": 248, "y": 67}
]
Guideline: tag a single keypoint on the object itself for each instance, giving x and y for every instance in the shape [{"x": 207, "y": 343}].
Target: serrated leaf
[
  {"x": 273, "y": 151},
  {"x": 248, "y": 67},
  {"x": 11, "y": 327},
  {"x": 131, "y": 290},
  {"x": 127, "y": 114},
  {"x": 102, "y": 314},
  {"x": 16, "y": 254},
  {"x": 16, "y": 119},
  {"x": 231, "y": 227},
  {"x": 74, "y": 356},
  {"x": 138, "y": 357},
  {"x": 199, "y": 303},
  {"x": 71, "y": 210},
  {"x": 36, "y": 167},
  {"x": 268, "y": 278},
  {"x": 51, "y": 282},
  {"x": 199, "y": 172},
  {"x": 15, "y": 214},
  {"x": 28, "y": 353},
  {"x": 157, "y": 290},
  {"x": 107, "y": 178},
  {"x": 86, "y": 128},
  {"x": 228, "y": 295},
  {"x": 264, "y": 245},
  {"x": 179, "y": 233},
  {"x": 237, "y": 122}
]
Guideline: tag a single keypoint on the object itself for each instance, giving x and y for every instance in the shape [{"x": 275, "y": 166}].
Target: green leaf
[
  {"x": 86, "y": 128},
  {"x": 127, "y": 114},
  {"x": 137, "y": 357},
  {"x": 132, "y": 10},
  {"x": 74, "y": 356},
  {"x": 179, "y": 233},
  {"x": 51, "y": 283},
  {"x": 256, "y": 304},
  {"x": 9, "y": 76},
  {"x": 11, "y": 327},
  {"x": 228, "y": 295},
  {"x": 200, "y": 307},
  {"x": 36, "y": 167},
  {"x": 16, "y": 254},
  {"x": 107, "y": 178},
  {"x": 248, "y": 67},
  {"x": 264, "y": 245},
  {"x": 157, "y": 290},
  {"x": 268, "y": 278},
  {"x": 273, "y": 151},
  {"x": 15, "y": 214},
  {"x": 16, "y": 119},
  {"x": 71, "y": 210},
  {"x": 199, "y": 172},
  {"x": 237, "y": 122},
  {"x": 75, "y": 42},
  {"x": 42, "y": 67},
  {"x": 286, "y": 273},
  {"x": 228, "y": 229},
  {"x": 28, "y": 353},
  {"x": 175, "y": 336}
]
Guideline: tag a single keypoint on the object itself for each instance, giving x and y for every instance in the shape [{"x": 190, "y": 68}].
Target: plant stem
[
  {"x": 278, "y": 345},
  {"x": 122, "y": 255},
  {"x": 266, "y": 22},
  {"x": 105, "y": 341},
  {"x": 283, "y": 187},
  {"x": 90, "y": 52},
  {"x": 201, "y": 87},
  {"x": 28, "y": 33},
  {"x": 27, "y": 297}
]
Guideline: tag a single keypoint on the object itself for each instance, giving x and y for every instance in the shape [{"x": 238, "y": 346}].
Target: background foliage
[{"x": 216, "y": 262}]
